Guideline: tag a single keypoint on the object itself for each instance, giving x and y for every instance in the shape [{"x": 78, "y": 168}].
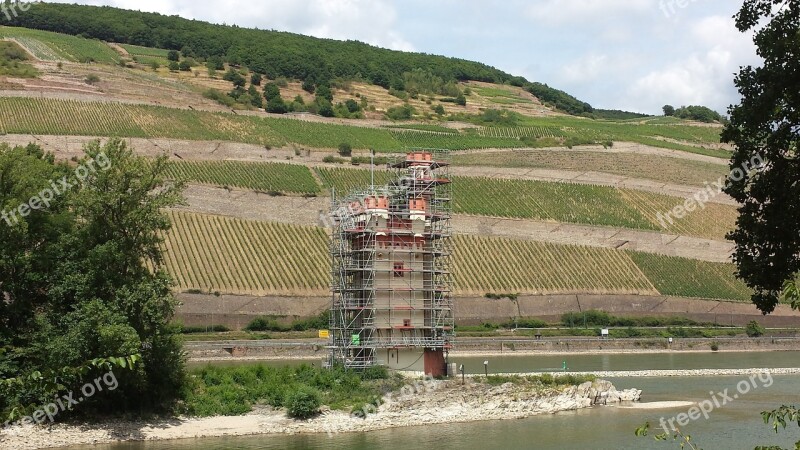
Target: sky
[{"x": 634, "y": 55}]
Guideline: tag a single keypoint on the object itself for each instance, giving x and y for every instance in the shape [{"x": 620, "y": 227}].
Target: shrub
[
  {"x": 404, "y": 112},
  {"x": 265, "y": 324},
  {"x": 174, "y": 66},
  {"x": 714, "y": 346},
  {"x": 91, "y": 79},
  {"x": 754, "y": 329},
  {"x": 204, "y": 329},
  {"x": 302, "y": 403},
  {"x": 345, "y": 149},
  {"x": 219, "y": 97},
  {"x": 330, "y": 159},
  {"x": 173, "y": 55}
]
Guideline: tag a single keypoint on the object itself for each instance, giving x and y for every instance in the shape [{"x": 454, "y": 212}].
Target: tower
[{"x": 392, "y": 281}]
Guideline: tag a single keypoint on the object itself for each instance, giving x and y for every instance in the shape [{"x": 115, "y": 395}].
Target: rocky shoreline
[{"x": 419, "y": 403}]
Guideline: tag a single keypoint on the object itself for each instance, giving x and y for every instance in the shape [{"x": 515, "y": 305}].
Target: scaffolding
[{"x": 391, "y": 264}]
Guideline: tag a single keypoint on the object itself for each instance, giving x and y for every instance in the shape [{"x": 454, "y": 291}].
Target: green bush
[
  {"x": 330, "y": 159},
  {"x": 265, "y": 323},
  {"x": 754, "y": 329},
  {"x": 302, "y": 403},
  {"x": 404, "y": 112},
  {"x": 345, "y": 149},
  {"x": 204, "y": 329}
]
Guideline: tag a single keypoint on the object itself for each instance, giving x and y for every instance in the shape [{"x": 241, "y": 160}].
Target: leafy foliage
[
  {"x": 754, "y": 329},
  {"x": 699, "y": 113},
  {"x": 303, "y": 403},
  {"x": 276, "y": 54},
  {"x": 766, "y": 124},
  {"x": 76, "y": 274}
]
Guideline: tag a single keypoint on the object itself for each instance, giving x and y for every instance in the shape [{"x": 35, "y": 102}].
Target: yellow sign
[{"x": 324, "y": 334}]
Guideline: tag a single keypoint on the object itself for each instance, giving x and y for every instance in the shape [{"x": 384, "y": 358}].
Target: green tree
[
  {"x": 174, "y": 66},
  {"x": 276, "y": 105},
  {"x": 235, "y": 77},
  {"x": 271, "y": 91},
  {"x": 78, "y": 274},
  {"x": 324, "y": 92},
  {"x": 255, "y": 79},
  {"x": 352, "y": 106},
  {"x": 345, "y": 149},
  {"x": 173, "y": 55},
  {"x": 669, "y": 110},
  {"x": 185, "y": 65},
  {"x": 461, "y": 100},
  {"x": 324, "y": 107},
  {"x": 215, "y": 63},
  {"x": 765, "y": 126},
  {"x": 308, "y": 86},
  {"x": 255, "y": 97}
]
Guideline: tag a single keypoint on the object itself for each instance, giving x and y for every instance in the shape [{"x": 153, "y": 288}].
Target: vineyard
[
  {"x": 323, "y": 135},
  {"x": 422, "y": 139},
  {"x": 48, "y": 46},
  {"x": 500, "y": 96},
  {"x": 36, "y": 115},
  {"x": 344, "y": 181},
  {"x": 540, "y": 200},
  {"x": 213, "y": 253},
  {"x": 263, "y": 177},
  {"x": 691, "y": 278},
  {"x": 659, "y": 168},
  {"x": 68, "y": 117},
  {"x": 488, "y": 264},
  {"x": 712, "y": 222},
  {"x": 561, "y": 202},
  {"x": 520, "y": 132}
]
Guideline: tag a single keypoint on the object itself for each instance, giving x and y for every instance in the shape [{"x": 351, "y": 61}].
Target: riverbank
[
  {"x": 419, "y": 403},
  {"x": 315, "y": 349}
]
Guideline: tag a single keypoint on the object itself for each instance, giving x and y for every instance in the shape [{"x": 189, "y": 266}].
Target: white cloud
[
  {"x": 704, "y": 77},
  {"x": 559, "y": 12}
]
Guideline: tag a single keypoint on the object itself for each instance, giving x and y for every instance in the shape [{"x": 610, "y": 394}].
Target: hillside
[{"x": 546, "y": 203}]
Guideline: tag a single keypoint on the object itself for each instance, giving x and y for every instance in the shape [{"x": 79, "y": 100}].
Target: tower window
[{"x": 399, "y": 270}]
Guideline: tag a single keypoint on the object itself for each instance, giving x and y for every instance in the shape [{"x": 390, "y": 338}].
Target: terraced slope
[
  {"x": 566, "y": 203},
  {"x": 262, "y": 177},
  {"x": 62, "y": 117},
  {"x": 49, "y": 46},
  {"x": 213, "y": 253}
]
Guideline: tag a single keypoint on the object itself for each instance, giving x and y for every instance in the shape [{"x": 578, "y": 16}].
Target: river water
[{"x": 736, "y": 424}]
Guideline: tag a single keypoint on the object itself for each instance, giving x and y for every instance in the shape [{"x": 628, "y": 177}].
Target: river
[{"x": 734, "y": 425}]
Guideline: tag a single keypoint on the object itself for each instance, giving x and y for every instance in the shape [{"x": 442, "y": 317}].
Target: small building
[{"x": 391, "y": 281}]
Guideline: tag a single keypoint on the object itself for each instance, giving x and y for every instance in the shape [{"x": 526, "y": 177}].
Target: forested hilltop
[{"x": 273, "y": 53}]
